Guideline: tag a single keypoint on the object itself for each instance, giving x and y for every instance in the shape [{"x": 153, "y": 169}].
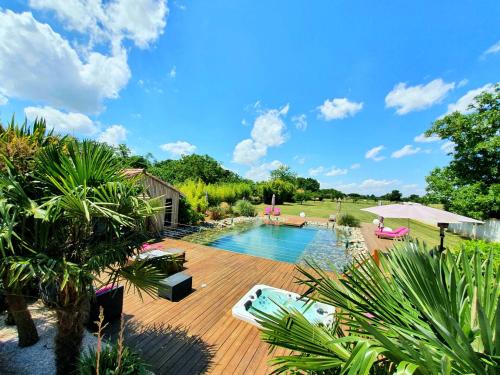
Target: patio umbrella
[
  {"x": 420, "y": 212},
  {"x": 273, "y": 203}
]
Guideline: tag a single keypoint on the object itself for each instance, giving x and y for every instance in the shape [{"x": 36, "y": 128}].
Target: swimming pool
[{"x": 287, "y": 244}]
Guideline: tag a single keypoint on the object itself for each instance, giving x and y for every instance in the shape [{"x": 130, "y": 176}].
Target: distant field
[{"x": 424, "y": 232}]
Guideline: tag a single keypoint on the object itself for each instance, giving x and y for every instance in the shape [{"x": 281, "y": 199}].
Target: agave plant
[
  {"x": 88, "y": 222},
  {"x": 411, "y": 313}
]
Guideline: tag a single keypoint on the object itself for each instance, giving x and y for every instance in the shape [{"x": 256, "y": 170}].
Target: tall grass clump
[
  {"x": 348, "y": 220},
  {"x": 244, "y": 208}
]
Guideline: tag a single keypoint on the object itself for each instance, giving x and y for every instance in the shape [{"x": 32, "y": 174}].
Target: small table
[{"x": 176, "y": 287}]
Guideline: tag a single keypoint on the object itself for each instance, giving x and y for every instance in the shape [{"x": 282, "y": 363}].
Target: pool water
[
  {"x": 269, "y": 299},
  {"x": 287, "y": 244}
]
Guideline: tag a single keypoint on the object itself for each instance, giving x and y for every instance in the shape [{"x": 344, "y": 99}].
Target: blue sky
[{"x": 337, "y": 90}]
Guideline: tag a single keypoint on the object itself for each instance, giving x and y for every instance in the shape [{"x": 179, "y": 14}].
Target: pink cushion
[{"x": 104, "y": 290}]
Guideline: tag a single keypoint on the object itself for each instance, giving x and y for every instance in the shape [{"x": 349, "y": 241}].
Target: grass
[{"x": 424, "y": 232}]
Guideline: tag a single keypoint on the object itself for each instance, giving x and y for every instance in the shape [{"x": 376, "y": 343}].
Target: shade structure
[
  {"x": 273, "y": 203},
  {"x": 420, "y": 212}
]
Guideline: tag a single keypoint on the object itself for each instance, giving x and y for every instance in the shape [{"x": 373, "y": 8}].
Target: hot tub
[{"x": 264, "y": 298}]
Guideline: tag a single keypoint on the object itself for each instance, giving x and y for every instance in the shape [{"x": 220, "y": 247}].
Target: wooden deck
[
  {"x": 372, "y": 241},
  {"x": 198, "y": 334}
]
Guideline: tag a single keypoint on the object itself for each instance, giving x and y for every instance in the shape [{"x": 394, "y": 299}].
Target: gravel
[{"x": 39, "y": 358}]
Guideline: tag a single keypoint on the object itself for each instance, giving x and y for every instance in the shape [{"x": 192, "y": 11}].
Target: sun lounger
[
  {"x": 332, "y": 218},
  {"x": 268, "y": 210},
  {"x": 397, "y": 233}
]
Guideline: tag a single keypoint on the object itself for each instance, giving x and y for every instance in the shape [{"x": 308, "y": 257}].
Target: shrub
[
  {"x": 283, "y": 191},
  {"x": 215, "y": 213},
  {"x": 348, "y": 220},
  {"x": 483, "y": 248},
  {"x": 187, "y": 215},
  {"x": 131, "y": 363},
  {"x": 226, "y": 208},
  {"x": 115, "y": 359},
  {"x": 244, "y": 208}
]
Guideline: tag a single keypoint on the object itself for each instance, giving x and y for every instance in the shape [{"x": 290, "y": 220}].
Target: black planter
[{"x": 112, "y": 303}]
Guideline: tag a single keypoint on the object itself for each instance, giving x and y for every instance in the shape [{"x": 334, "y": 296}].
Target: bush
[
  {"x": 284, "y": 191},
  {"x": 187, "y": 215},
  {"x": 483, "y": 248},
  {"x": 215, "y": 213},
  {"x": 115, "y": 359},
  {"x": 226, "y": 208},
  {"x": 244, "y": 208},
  {"x": 131, "y": 363},
  {"x": 348, "y": 220}
]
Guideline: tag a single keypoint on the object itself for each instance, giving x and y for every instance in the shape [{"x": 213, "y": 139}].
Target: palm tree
[
  {"x": 413, "y": 313},
  {"x": 89, "y": 222},
  {"x": 19, "y": 145}
]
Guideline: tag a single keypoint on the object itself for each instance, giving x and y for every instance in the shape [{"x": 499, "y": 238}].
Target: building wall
[{"x": 157, "y": 189}]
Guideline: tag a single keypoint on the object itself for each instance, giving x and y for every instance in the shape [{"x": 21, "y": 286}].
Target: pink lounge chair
[
  {"x": 397, "y": 233},
  {"x": 277, "y": 211},
  {"x": 267, "y": 210}
]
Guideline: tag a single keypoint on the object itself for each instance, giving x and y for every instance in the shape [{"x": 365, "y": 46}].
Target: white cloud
[
  {"x": 462, "y": 104},
  {"x": 179, "y": 148},
  {"x": 338, "y": 108},
  {"x": 316, "y": 171},
  {"x": 421, "y": 138},
  {"x": 300, "y": 121},
  {"x": 336, "y": 172},
  {"x": 374, "y": 153},
  {"x": 141, "y": 21},
  {"x": 406, "y": 151},
  {"x": 243, "y": 122},
  {"x": 38, "y": 64},
  {"x": 248, "y": 152},
  {"x": 495, "y": 48},
  {"x": 114, "y": 135},
  {"x": 414, "y": 98},
  {"x": 3, "y": 100},
  {"x": 356, "y": 166},
  {"x": 268, "y": 131},
  {"x": 63, "y": 122},
  {"x": 262, "y": 172},
  {"x": 173, "y": 72},
  {"x": 448, "y": 147}
]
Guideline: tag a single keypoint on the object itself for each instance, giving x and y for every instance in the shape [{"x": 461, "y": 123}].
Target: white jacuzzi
[{"x": 264, "y": 298}]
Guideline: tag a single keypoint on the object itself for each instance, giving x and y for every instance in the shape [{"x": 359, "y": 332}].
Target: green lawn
[{"x": 424, "y": 232}]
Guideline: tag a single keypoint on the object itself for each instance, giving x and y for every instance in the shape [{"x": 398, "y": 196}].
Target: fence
[{"x": 489, "y": 231}]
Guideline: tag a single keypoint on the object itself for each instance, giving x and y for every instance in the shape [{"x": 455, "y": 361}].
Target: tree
[
  {"x": 393, "y": 196},
  {"x": 309, "y": 184},
  {"x": 88, "y": 224},
  {"x": 193, "y": 167},
  {"x": 284, "y": 173},
  {"x": 427, "y": 315},
  {"x": 467, "y": 185},
  {"x": 127, "y": 160}
]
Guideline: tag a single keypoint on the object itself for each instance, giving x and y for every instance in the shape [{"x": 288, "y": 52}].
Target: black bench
[{"x": 176, "y": 287}]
